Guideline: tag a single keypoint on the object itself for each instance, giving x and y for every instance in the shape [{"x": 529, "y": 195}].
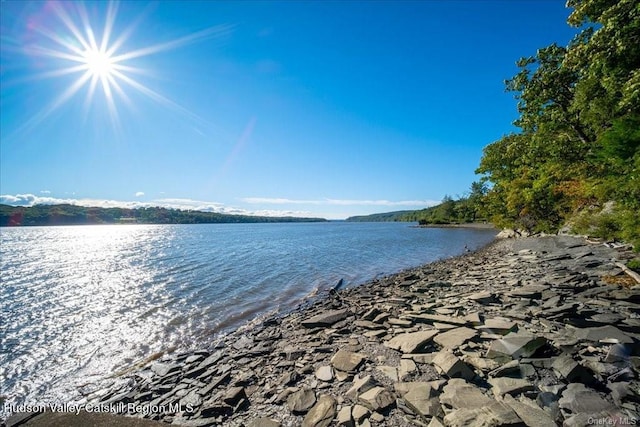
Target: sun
[
  {"x": 72, "y": 44},
  {"x": 99, "y": 63}
]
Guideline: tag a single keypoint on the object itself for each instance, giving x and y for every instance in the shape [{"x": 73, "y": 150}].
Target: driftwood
[{"x": 629, "y": 271}]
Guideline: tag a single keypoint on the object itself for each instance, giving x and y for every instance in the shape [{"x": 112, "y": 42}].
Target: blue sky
[{"x": 327, "y": 109}]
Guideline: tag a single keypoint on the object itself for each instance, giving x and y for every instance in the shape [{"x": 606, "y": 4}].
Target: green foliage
[
  {"x": 634, "y": 264},
  {"x": 613, "y": 222},
  {"x": 79, "y": 215},
  {"x": 463, "y": 210},
  {"x": 380, "y": 217},
  {"x": 578, "y": 143}
]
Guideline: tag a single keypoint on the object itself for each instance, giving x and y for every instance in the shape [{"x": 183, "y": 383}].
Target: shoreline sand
[{"x": 531, "y": 331}]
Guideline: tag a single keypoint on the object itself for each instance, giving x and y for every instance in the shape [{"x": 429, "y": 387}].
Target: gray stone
[
  {"x": 606, "y": 318},
  {"x": 322, "y": 414},
  {"x": 359, "y": 413},
  {"x": 492, "y": 414},
  {"x": 603, "y": 333},
  {"x": 324, "y": 373},
  {"x": 402, "y": 323},
  {"x": 455, "y": 337},
  {"x": 532, "y": 415},
  {"x": 407, "y": 367},
  {"x": 502, "y": 386},
  {"x": 529, "y": 291},
  {"x": 618, "y": 353},
  {"x": 343, "y": 419},
  {"x": 211, "y": 360},
  {"x": 451, "y": 366},
  {"x": 234, "y": 395},
  {"x": 347, "y": 361},
  {"x": 411, "y": 342},
  {"x": 242, "y": 343},
  {"x": 578, "y": 398},
  {"x": 510, "y": 368},
  {"x": 325, "y": 319},
  {"x": 360, "y": 385},
  {"x": 483, "y": 297},
  {"x": 371, "y": 314},
  {"x": 403, "y": 388},
  {"x": 440, "y": 318},
  {"x": 499, "y": 326},
  {"x": 567, "y": 368},
  {"x": 377, "y": 398},
  {"x": 459, "y": 394},
  {"x": 389, "y": 371},
  {"x": 192, "y": 399},
  {"x": 301, "y": 401},
  {"x": 419, "y": 398},
  {"x": 264, "y": 422},
  {"x": 515, "y": 345},
  {"x": 473, "y": 319},
  {"x": 164, "y": 369},
  {"x": 366, "y": 324}
]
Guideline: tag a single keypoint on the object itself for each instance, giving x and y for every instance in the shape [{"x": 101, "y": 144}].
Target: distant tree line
[
  {"x": 465, "y": 209},
  {"x": 78, "y": 215}
]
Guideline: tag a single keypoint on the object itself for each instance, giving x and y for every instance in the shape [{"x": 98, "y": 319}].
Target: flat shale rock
[
  {"x": 515, "y": 345},
  {"x": 603, "y": 333},
  {"x": 164, "y": 369},
  {"x": 451, "y": 366},
  {"x": 347, "y": 361},
  {"x": 483, "y": 297},
  {"x": 459, "y": 394},
  {"x": 531, "y": 415},
  {"x": 419, "y": 398},
  {"x": 566, "y": 367},
  {"x": 324, "y": 373},
  {"x": 504, "y": 385},
  {"x": 455, "y": 337},
  {"x": 498, "y": 325},
  {"x": 360, "y": 385},
  {"x": 411, "y": 342},
  {"x": 301, "y": 401},
  {"x": 322, "y": 414},
  {"x": 578, "y": 398},
  {"x": 492, "y": 414},
  {"x": 377, "y": 398},
  {"x": 263, "y": 422},
  {"x": 325, "y": 319},
  {"x": 343, "y": 418}
]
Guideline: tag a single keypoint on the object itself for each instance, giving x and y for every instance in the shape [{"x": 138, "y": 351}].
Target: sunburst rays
[{"x": 70, "y": 43}]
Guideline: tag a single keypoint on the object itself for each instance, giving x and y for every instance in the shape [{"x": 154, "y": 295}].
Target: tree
[{"x": 578, "y": 143}]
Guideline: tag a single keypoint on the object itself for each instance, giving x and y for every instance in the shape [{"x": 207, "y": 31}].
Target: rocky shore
[{"x": 535, "y": 331}]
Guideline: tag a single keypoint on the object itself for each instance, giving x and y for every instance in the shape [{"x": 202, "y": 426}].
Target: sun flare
[
  {"x": 72, "y": 44},
  {"x": 99, "y": 63}
]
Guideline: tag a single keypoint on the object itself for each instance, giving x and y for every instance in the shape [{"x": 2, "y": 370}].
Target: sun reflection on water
[{"x": 90, "y": 312}]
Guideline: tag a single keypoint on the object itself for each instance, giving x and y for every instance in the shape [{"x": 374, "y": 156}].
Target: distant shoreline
[{"x": 480, "y": 225}]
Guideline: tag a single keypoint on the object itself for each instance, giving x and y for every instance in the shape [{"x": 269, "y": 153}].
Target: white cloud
[
  {"x": 339, "y": 202},
  {"x": 140, "y": 194},
  {"x": 45, "y": 192},
  {"x": 278, "y": 201},
  {"x": 183, "y": 204}
]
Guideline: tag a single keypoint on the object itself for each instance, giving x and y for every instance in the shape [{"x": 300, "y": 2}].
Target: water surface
[{"x": 82, "y": 302}]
